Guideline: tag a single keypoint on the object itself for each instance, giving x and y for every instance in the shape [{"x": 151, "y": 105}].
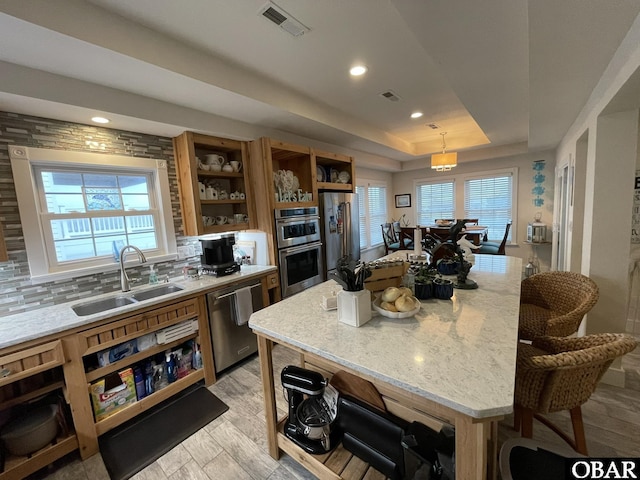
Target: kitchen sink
[
  {"x": 156, "y": 292},
  {"x": 98, "y": 306},
  {"x": 89, "y": 308}
]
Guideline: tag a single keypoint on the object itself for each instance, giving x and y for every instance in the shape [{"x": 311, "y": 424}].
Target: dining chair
[
  {"x": 494, "y": 248},
  {"x": 554, "y": 303},
  {"x": 555, "y": 374},
  {"x": 391, "y": 243}
]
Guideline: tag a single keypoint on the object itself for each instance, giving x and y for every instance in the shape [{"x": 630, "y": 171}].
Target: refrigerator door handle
[{"x": 346, "y": 238}]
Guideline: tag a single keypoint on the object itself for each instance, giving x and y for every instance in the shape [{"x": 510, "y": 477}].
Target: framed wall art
[{"x": 403, "y": 200}]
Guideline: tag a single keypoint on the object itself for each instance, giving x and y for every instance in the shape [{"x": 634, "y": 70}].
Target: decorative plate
[
  {"x": 334, "y": 176},
  {"x": 344, "y": 177},
  {"x": 321, "y": 174},
  {"x": 388, "y": 314}
]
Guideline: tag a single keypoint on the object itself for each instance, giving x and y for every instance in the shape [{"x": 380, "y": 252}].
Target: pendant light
[{"x": 444, "y": 161}]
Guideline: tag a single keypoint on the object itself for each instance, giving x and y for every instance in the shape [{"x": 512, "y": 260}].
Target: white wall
[
  {"x": 405, "y": 182},
  {"x": 609, "y": 123}
]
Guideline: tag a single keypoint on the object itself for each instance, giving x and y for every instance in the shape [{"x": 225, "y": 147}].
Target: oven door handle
[
  {"x": 300, "y": 248},
  {"x": 298, "y": 220}
]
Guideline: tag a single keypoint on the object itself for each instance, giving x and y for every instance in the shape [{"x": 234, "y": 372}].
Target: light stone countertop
[
  {"x": 460, "y": 353},
  {"x": 40, "y": 323}
]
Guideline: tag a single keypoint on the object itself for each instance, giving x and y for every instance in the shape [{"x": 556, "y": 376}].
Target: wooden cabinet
[
  {"x": 27, "y": 375},
  {"x": 191, "y": 147},
  {"x": 334, "y": 172},
  {"x": 274, "y": 157},
  {"x": 82, "y": 348},
  {"x": 308, "y": 165}
]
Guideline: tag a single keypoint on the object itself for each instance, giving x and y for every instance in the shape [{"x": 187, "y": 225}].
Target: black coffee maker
[
  {"x": 217, "y": 254},
  {"x": 309, "y": 425}
]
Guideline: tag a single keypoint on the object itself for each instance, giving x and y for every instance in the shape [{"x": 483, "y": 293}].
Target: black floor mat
[{"x": 133, "y": 445}]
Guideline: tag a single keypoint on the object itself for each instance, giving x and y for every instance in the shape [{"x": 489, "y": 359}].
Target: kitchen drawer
[
  {"x": 31, "y": 361},
  {"x": 273, "y": 280},
  {"x": 120, "y": 331}
]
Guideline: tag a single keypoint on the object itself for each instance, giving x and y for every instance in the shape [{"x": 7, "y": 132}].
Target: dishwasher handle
[{"x": 218, "y": 297}]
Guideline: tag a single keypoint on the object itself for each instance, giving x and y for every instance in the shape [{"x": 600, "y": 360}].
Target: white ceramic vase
[{"x": 354, "y": 308}]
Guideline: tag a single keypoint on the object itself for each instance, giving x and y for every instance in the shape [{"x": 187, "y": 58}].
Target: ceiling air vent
[
  {"x": 275, "y": 14},
  {"x": 433, "y": 126},
  {"x": 389, "y": 95}
]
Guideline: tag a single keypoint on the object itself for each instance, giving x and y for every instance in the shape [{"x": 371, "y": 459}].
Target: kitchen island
[{"x": 454, "y": 362}]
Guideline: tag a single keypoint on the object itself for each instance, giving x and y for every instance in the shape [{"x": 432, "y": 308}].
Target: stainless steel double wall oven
[{"x": 299, "y": 248}]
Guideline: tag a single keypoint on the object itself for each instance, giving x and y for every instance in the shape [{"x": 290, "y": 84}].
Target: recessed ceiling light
[
  {"x": 416, "y": 114},
  {"x": 100, "y": 120},
  {"x": 358, "y": 70}
]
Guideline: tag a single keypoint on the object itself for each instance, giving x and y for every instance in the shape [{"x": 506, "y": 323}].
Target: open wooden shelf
[
  {"x": 16, "y": 468},
  {"x": 341, "y": 187},
  {"x": 121, "y": 416},
  {"x": 135, "y": 358},
  {"x": 339, "y": 463}
]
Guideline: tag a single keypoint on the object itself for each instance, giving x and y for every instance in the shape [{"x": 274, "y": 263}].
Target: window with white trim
[
  {"x": 491, "y": 197},
  {"x": 490, "y": 200},
  {"x": 435, "y": 200},
  {"x": 372, "y": 200},
  {"x": 79, "y": 209}
]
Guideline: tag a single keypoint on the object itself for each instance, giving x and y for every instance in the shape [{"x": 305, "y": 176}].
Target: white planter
[{"x": 354, "y": 308}]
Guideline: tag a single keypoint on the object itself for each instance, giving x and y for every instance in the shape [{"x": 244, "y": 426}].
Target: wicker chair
[
  {"x": 554, "y": 374},
  {"x": 553, "y": 303}
]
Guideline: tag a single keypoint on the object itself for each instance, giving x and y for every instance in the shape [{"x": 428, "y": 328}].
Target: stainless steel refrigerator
[{"x": 340, "y": 225}]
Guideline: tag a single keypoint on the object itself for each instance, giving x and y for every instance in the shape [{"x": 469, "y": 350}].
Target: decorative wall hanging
[{"x": 538, "y": 183}]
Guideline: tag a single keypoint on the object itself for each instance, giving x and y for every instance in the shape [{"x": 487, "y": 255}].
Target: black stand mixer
[{"x": 309, "y": 424}]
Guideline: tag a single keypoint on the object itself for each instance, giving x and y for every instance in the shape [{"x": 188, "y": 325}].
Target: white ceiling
[{"x": 493, "y": 74}]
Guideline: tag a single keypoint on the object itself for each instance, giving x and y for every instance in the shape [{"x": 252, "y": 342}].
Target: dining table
[
  {"x": 453, "y": 362},
  {"x": 476, "y": 234}
]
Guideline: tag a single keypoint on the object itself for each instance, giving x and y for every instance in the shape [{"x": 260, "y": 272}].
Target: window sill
[{"x": 111, "y": 267}]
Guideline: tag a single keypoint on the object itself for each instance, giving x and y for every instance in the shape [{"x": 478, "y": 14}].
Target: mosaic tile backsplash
[{"x": 17, "y": 293}]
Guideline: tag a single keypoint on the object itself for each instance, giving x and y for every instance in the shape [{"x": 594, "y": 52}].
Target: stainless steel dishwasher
[{"x": 231, "y": 342}]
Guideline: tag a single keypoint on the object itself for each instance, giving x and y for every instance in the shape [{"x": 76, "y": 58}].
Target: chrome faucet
[{"x": 124, "y": 280}]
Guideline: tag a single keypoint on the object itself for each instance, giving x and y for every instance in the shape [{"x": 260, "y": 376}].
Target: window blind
[
  {"x": 377, "y": 198},
  {"x": 372, "y": 200},
  {"x": 490, "y": 200},
  {"x": 435, "y": 200},
  {"x": 360, "y": 191}
]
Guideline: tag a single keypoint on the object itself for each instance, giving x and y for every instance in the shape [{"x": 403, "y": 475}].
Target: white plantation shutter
[
  {"x": 490, "y": 200},
  {"x": 361, "y": 192},
  {"x": 377, "y": 213},
  {"x": 372, "y": 200},
  {"x": 435, "y": 200}
]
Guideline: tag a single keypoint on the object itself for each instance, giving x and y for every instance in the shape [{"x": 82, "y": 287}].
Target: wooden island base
[{"x": 476, "y": 438}]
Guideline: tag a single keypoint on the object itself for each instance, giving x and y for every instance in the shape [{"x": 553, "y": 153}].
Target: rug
[{"x": 139, "y": 442}]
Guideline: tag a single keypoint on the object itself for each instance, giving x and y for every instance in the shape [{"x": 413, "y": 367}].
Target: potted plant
[
  {"x": 442, "y": 288},
  {"x": 423, "y": 283},
  {"x": 448, "y": 266}
]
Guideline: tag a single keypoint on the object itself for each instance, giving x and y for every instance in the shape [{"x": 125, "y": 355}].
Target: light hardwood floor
[{"x": 233, "y": 446}]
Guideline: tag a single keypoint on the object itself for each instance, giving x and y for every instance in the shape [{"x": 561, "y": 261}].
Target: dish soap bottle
[{"x": 153, "y": 276}]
